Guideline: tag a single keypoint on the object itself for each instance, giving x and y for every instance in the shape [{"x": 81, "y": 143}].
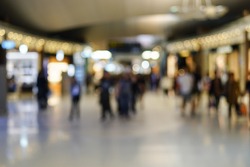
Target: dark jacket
[{"x": 232, "y": 92}]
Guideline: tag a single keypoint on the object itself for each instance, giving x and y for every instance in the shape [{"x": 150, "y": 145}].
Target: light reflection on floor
[
  {"x": 156, "y": 136},
  {"x": 22, "y": 128}
]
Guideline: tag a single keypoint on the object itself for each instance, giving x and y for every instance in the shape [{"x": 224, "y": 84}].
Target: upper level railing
[
  {"x": 37, "y": 43},
  {"x": 230, "y": 34}
]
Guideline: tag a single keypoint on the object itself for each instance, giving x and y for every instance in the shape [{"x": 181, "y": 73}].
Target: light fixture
[
  {"x": 110, "y": 67},
  {"x": 150, "y": 55},
  {"x": 184, "y": 53},
  {"x": 8, "y": 44},
  {"x": 59, "y": 55},
  {"x": 71, "y": 70},
  {"x": 155, "y": 55},
  {"x": 146, "y": 54},
  {"x": 86, "y": 53},
  {"x": 23, "y": 49},
  {"x": 101, "y": 54},
  {"x": 136, "y": 68},
  {"x": 145, "y": 64},
  {"x": 199, "y": 9}
]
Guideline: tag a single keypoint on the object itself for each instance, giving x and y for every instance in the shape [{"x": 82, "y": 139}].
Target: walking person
[
  {"x": 43, "y": 90},
  {"x": 134, "y": 92},
  {"x": 196, "y": 90},
  {"x": 124, "y": 95},
  {"x": 166, "y": 84},
  {"x": 105, "y": 86},
  {"x": 75, "y": 91},
  {"x": 248, "y": 92},
  {"x": 205, "y": 83},
  {"x": 216, "y": 91},
  {"x": 154, "y": 81},
  {"x": 232, "y": 94},
  {"x": 88, "y": 82},
  {"x": 142, "y": 89},
  {"x": 185, "y": 82}
]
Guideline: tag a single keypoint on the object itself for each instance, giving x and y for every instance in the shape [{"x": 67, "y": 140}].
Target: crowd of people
[
  {"x": 190, "y": 85},
  {"x": 129, "y": 88}
]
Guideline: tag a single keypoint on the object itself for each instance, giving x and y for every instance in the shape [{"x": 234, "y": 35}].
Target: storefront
[
  {"x": 172, "y": 65},
  {"x": 22, "y": 70},
  {"x": 224, "y": 59},
  {"x": 57, "y": 75}
]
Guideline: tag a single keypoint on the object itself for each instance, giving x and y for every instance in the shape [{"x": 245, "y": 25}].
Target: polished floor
[{"x": 157, "y": 136}]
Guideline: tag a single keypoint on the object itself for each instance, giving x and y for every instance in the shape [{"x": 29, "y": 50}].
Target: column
[
  {"x": 40, "y": 59},
  {"x": 163, "y": 63},
  {"x": 199, "y": 61},
  {"x": 243, "y": 60},
  {"x": 246, "y": 48},
  {"x": 3, "y": 82},
  {"x": 205, "y": 62}
]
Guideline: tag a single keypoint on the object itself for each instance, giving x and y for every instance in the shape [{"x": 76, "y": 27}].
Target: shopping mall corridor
[{"x": 157, "y": 136}]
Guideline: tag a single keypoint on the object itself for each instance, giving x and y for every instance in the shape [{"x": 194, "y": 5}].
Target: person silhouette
[
  {"x": 42, "y": 90},
  {"x": 75, "y": 91}
]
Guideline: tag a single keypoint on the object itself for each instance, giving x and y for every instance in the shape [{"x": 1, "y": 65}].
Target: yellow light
[
  {"x": 184, "y": 53},
  {"x": 10, "y": 35},
  {"x": 101, "y": 54},
  {"x": 19, "y": 37},
  {"x": 2, "y": 32}
]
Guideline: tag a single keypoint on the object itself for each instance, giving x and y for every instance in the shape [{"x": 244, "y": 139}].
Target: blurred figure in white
[
  {"x": 185, "y": 83},
  {"x": 166, "y": 84},
  {"x": 205, "y": 84}
]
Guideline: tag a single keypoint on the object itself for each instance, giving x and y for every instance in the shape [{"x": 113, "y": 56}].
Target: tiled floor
[{"x": 157, "y": 136}]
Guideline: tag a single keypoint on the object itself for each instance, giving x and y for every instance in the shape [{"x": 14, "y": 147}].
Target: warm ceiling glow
[
  {"x": 150, "y": 55},
  {"x": 101, "y": 54}
]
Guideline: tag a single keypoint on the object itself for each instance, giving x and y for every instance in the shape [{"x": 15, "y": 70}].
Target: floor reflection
[
  {"x": 22, "y": 118},
  {"x": 22, "y": 128},
  {"x": 156, "y": 136}
]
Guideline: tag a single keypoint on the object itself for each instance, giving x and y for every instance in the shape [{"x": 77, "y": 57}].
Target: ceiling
[{"x": 101, "y": 21}]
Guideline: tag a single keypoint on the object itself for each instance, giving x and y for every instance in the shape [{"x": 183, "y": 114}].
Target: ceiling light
[
  {"x": 136, "y": 68},
  {"x": 23, "y": 49},
  {"x": 101, "y": 54},
  {"x": 214, "y": 12},
  {"x": 110, "y": 67},
  {"x": 86, "y": 53},
  {"x": 146, "y": 54},
  {"x": 197, "y": 9},
  {"x": 150, "y": 55},
  {"x": 71, "y": 70},
  {"x": 155, "y": 55},
  {"x": 8, "y": 44},
  {"x": 59, "y": 55},
  {"x": 145, "y": 64}
]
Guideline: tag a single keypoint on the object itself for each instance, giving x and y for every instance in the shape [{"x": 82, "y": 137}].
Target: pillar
[
  {"x": 3, "y": 83},
  {"x": 163, "y": 63},
  {"x": 244, "y": 62},
  {"x": 205, "y": 62},
  {"x": 200, "y": 61}
]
